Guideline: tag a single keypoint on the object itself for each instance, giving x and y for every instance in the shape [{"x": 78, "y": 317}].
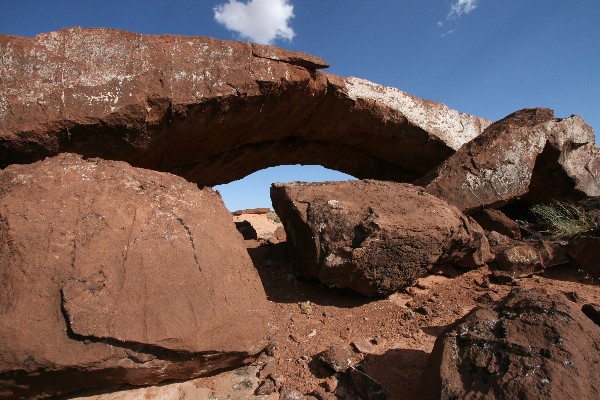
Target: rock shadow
[
  {"x": 282, "y": 285},
  {"x": 399, "y": 371}
]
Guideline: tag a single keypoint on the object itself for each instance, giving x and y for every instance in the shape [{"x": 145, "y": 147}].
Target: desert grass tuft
[{"x": 561, "y": 220}]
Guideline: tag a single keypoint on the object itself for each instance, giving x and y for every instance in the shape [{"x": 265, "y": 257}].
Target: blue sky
[{"x": 484, "y": 57}]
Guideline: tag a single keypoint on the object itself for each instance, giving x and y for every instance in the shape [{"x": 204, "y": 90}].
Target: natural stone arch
[{"x": 212, "y": 111}]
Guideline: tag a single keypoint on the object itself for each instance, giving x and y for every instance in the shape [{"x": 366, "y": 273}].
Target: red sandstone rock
[
  {"x": 533, "y": 346},
  {"x": 495, "y": 220},
  {"x": 374, "y": 237},
  {"x": 210, "y": 110},
  {"x": 259, "y": 211},
  {"x": 529, "y": 155},
  {"x": 112, "y": 274}
]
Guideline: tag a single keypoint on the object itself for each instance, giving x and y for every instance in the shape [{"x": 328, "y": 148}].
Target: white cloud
[
  {"x": 261, "y": 21},
  {"x": 461, "y": 7}
]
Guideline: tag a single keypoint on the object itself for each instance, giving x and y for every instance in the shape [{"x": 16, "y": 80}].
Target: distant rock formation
[
  {"x": 210, "y": 110},
  {"x": 371, "y": 236},
  {"x": 111, "y": 274}
]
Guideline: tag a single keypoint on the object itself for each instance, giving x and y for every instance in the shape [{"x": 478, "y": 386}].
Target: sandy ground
[
  {"x": 307, "y": 318},
  {"x": 264, "y": 224}
]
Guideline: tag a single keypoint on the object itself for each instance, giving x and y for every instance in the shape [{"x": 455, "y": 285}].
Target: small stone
[
  {"x": 265, "y": 388},
  {"x": 410, "y": 315},
  {"x": 290, "y": 394},
  {"x": 271, "y": 348},
  {"x": 364, "y": 346},
  {"x": 338, "y": 358},
  {"x": 306, "y": 307},
  {"x": 330, "y": 384},
  {"x": 424, "y": 310}
]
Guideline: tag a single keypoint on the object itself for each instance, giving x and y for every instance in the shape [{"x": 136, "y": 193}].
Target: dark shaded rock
[
  {"x": 210, "y": 110},
  {"x": 115, "y": 275},
  {"x": 529, "y": 155},
  {"x": 592, "y": 311},
  {"x": 535, "y": 345},
  {"x": 371, "y": 236},
  {"x": 495, "y": 220},
  {"x": 367, "y": 387},
  {"x": 247, "y": 230},
  {"x": 584, "y": 251}
]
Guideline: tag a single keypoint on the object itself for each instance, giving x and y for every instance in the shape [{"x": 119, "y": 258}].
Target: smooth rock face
[
  {"x": 112, "y": 274},
  {"x": 212, "y": 111},
  {"x": 529, "y": 155},
  {"x": 374, "y": 237},
  {"x": 535, "y": 345}
]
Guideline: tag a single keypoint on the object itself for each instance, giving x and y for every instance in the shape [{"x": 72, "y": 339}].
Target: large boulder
[
  {"x": 374, "y": 237},
  {"x": 115, "y": 275},
  {"x": 210, "y": 110},
  {"x": 529, "y": 155},
  {"x": 535, "y": 345}
]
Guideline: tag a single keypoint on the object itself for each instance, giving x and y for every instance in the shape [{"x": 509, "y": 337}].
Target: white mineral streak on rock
[{"x": 451, "y": 126}]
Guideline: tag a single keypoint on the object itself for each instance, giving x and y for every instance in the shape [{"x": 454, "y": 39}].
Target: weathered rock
[
  {"x": 112, "y": 275},
  {"x": 519, "y": 260},
  {"x": 584, "y": 251},
  {"x": 529, "y": 155},
  {"x": 374, "y": 237},
  {"x": 535, "y": 345},
  {"x": 495, "y": 220},
  {"x": 339, "y": 358},
  {"x": 259, "y": 211},
  {"x": 525, "y": 257},
  {"x": 212, "y": 111}
]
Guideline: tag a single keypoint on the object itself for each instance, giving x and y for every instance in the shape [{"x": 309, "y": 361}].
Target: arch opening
[{"x": 252, "y": 191}]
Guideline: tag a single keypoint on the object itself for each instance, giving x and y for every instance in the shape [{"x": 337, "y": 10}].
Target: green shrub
[{"x": 561, "y": 220}]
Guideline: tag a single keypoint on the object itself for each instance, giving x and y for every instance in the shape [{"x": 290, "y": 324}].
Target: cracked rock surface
[
  {"x": 112, "y": 274},
  {"x": 528, "y": 156},
  {"x": 374, "y": 237}
]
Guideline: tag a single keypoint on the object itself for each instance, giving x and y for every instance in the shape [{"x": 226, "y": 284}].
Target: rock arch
[{"x": 211, "y": 111}]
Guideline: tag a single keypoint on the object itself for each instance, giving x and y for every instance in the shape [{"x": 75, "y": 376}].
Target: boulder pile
[{"x": 119, "y": 265}]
